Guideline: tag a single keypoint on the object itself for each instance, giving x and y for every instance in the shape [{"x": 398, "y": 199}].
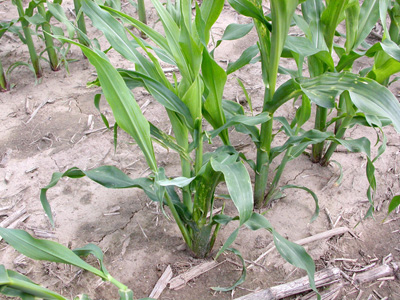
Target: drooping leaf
[
  {"x": 394, "y": 203},
  {"x": 239, "y": 186},
  {"x": 107, "y": 176},
  {"x": 126, "y": 110},
  {"x": 46, "y": 250}
]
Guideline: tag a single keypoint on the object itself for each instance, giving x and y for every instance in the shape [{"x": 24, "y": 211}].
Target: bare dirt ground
[{"x": 137, "y": 240}]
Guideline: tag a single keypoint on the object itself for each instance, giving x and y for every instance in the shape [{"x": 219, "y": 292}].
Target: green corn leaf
[
  {"x": 306, "y": 48},
  {"x": 357, "y": 145},
  {"x": 36, "y": 19},
  {"x": 168, "y": 141},
  {"x": 352, "y": 13},
  {"x": 210, "y": 11},
  {"x": 97, "y": 99},
  {"x": 154, "y": 35},
  {"x": 394, "y": 203},
  {"x": 161, "y": 93},
  {"x": 281, "y": 14},
  {"x": 371, "y": 174},
  {"x": 94, "y": 250},
  {"x": 239, "y": 186},
  {"x": 235, "y": 31},
  {"x": 116, "y": 35},
  {"x": 172, "y": 33},
  {"x": 331, "y": 17},
  {"x": 243, "y": 60},
  {"x": 316, "y": 212},
  {"x": 242, "y": 276},
  {"x": 291, "y": 252},
  {"x": 126, "y": 111},
  {"x": 107, "y": 176},
  {"x": 246, "y": 94},
  {"x": 46, "y": 250},
  {"x": 178, "y": 181},
  {"x": 369, "y": 15},
  {"x": 58, "y": 12},
  {"x": 13, "y": 284},
  {"x": 312, "y": 11},
  {"x": 248, "y": 9},
  {"x": 367, "y": 95},
  {"x": 214, "y": 78},
  {"x": 125, "y": 294},
  {"x": 242, "y": 120}
]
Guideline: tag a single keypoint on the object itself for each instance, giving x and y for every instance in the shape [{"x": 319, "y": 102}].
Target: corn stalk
[
  {"x": 51, "y": 51},
  {"x": 28, "y": 38}
]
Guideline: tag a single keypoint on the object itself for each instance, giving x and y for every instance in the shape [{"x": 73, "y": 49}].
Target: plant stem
[
  {"x": 178, "y": 221},
  {"x": 345, "y": 106},
  {"x": 80, "y": 22},
  {"x": 262, "y": 169},
  {"x": 29, "y": 41},
  {"x": 142, "y": 11},
  {"x": 53, "y": 58},
  {"x": 320, "y": 124},
  {"x": 4, "y": 85}
]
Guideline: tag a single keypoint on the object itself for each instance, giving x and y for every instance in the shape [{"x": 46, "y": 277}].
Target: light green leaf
[
  {"x": 214, "y": 78},
  {"x": 107, "y": 176},
  {"x": 394, "y": 203},
  {"x": 46, "y": 250},
  {"x": 239, "y": 186},
  {"x": 236, "y": 31},
  {"x": 126, "y": 111},
  {"x": 178, "y": 181},
  {"x": 243, "y": 60}
]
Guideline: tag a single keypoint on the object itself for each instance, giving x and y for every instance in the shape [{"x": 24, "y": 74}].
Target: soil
[{"x": 138, "y": 241}]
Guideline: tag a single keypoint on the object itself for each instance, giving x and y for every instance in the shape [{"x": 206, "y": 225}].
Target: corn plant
[
  {"x": 362, "y": 100},
  {"x": 13, "y": 284},
  {"x": 51, "y": 51},
  {"x": 196, "y": 98},
  {"x": 27, "y": 33}
]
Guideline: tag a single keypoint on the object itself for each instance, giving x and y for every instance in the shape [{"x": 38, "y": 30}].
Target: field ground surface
[{"x": 53, "y": 125}]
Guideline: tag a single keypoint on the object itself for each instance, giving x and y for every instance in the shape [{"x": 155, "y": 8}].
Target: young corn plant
[
  {"x": 4, "y": 84},
  {"x": 362, "y": 100},
  {"x": 5, "y": 73},
  {"x": 13, "y": 284},
  {"x": 23, "y": 14},
  {"x": 51, "y": 50},
  {"x": 189, "y": 102}
]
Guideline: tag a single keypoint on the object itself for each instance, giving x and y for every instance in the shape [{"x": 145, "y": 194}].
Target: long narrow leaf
[
  {"x": 107, "y": 176},
  {"x": 126, "y": 111},
  {"x": 38, "y": 249}
]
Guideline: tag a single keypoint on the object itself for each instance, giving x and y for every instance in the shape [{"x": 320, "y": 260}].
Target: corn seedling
[
  {"x": 196, "y": 98},
  {"x": 4, "y": 85},
  {"x": 13, "y": 284},
  {"x": 5, "y": 74}
]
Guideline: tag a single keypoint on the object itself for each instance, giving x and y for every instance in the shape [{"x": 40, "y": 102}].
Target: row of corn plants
[
  {"x": 37, "y": 16},
  {"x": 363, "y": 99},
  {"x": 197, "y": 97}
]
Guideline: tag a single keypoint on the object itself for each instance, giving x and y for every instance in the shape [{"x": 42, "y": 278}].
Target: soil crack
[{"x": 120, "y": 228}]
